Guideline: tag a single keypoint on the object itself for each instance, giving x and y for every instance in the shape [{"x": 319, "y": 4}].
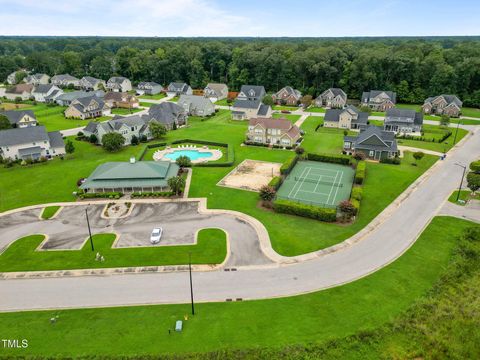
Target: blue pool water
[{"x": 192, "y": 154}]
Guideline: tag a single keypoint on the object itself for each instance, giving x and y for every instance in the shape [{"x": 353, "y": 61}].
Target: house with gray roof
[
  {"x": 87, "y": 108},
  {"x": 119, "y": 84},
  {"x": 449, "y": 105},
  {"x": 133, "y": 176},
  {"x": 128, "y": 126},
  {"x": 379, "y": 100},
  {"x": 89, "y": 83},
  {"x": 45, "y": 92},
  {"x": 21, "y": 91},
  {"x": 179, "y": 88},
  {"x": 348, "y": 118},
  {"x": 215, "y": 91},
  {"x": 20, "y": 118},
  {"x": 66, "y": 99},
  {"x": 168, "y": 114},
  {"x": 287, "y": 96},
  {"x": 65, "y": 80},
  {"x": 249, "y": 104},
  {"x": 334, "y": 98},
  {"x": 271, "y": 131},
  {"x": 31, "y": 142},
  {"x": 196, "y": 105},
  {"x": 121, "y": 100},
  {"x": 374, "y": 142},
  {"x": 37, "y": 79},
  {"x": 403, "y": 121},
  {"x": 148, "y": 88}
]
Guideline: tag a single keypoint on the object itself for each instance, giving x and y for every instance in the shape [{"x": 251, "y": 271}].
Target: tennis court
[{"x": 317, "y": 183}]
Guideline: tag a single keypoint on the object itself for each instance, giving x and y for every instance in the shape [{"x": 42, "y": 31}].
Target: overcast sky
[{"x": 239, "y": 18}]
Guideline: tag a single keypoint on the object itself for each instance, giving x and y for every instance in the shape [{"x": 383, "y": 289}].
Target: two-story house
[
  {"x": 179, "y": 88},
  {"x": 20, "y": 118},
  {"x": 379, "y": 100},
  {"x": 449, "y": 105},
  {"x": 43, "y": 92},
  {"x": 287, "y": 96},
  {"x": 273, "y": 132},
  {"x": 215, "y": 91},
  {"x": 334, "y": 98},
  {"x": 403, "y": 121},
  {"x": 66, "y": 99},
  {"x": 121, "y": 100},
  {"x": 65, "y": 80},
  {"x": 127, "y": 126},
  {"x": 119, "y": 84},
  {"x": 169, "y": 114},
  {"x": 196, "y": 105},
  {"x": 148, "y": 88},
  {"x": 32, "y": 142},
  {"x": 374, "y": 142},
  {"x": 89, "y": 83},
  {"x": 20, "y": 91},
  {"x": 348, "y": 118},
  {"x": 87, "y": 108},
  {"x": 249, "y": 104},
  {"x": 37, "y": 79}
]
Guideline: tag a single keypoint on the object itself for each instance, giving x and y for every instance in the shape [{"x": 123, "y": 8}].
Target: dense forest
[{"x": 415, "y": 68}]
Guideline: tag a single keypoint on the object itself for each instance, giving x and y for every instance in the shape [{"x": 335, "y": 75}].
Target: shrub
[
  {"x": 183, "y": 161},
  {"x": 113, "y": 142},
  {"x": 176, "y": 184},
  {"x": 329, "y": 158},
  {"x": 358, "y": 155},
  {"x": 473, "y": 181},
  {"x": 93, "y": 139},
  {"x": 314, "y": 212},
  {"x": 157, "y": 130},
  {"x": 106, "y": 195},
  {"x": 360, "y": 172},
  {"x": 152, "y": 194},
  {"x": 475, "y": 166},
  {"x": 299, "y": 150},
  {"x": 356, "y": 193},
  {"x": 69, "y": 147},
  {"x": 276, "y": 182},
  {"x": 134, "y": 140},
  {"x": 267, "y": 193},
  {"x": 395, "y": 160},
  {"x": 288, "y": 165},
  {"x": 348, "y": 208}
]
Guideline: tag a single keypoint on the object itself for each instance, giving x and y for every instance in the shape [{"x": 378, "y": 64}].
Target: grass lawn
[
  {"x": 122, "y": 111},
  {"x": 49, "y": 211},
  {"x": 434, "y": 132},
  {"x": 316, "y": 109},
  {"x": 471, "y": 112},
  {"x": 355, "y": 308},
  {"x": 146, "y": 104},
  {"x": 13, "y": 106},
  {"x": 465, "y": 195},
  {"x": 223, "y": 102},
  {"x": 292, "y": 118},
  {"x": 211, "y": 248},
  {"x": 174, "y": 99},
  {"x": 324, "y": 140},
  {"x": 153, "y": 97},
  {"x": 283, "y": 107}
]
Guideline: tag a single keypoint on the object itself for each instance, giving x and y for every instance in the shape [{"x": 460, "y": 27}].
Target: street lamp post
[
  {"x": 456, "y": 132},
  {"x": 89, "y": 230},
  {"x": 461, "y": 182},
  {"x": 191, "y": 284}
]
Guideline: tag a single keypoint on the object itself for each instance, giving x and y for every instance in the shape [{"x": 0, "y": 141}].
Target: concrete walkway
[
  {"x": 471, "y": 211},
  {"x": 414, "y": 149}
]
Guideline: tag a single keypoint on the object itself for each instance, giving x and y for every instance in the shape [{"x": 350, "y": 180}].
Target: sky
[{"x": 257, "y": 18}]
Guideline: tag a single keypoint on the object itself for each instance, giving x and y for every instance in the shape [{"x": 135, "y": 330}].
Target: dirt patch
[
  {"x": 10, "y": 106},
  {"x": 251, "y": 175}
]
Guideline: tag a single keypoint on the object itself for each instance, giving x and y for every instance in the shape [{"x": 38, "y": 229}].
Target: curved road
[{"x": 383, "y": 244}]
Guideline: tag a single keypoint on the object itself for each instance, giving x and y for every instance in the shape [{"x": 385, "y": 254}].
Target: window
[
  {"x": 371, "y": 153},
  {"x": 347, "y": 145}
]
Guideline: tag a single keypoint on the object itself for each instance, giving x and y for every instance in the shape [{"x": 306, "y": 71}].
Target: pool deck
[{"x": 160, "y": 155}]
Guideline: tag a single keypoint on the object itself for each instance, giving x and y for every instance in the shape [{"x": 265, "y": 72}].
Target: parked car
[
  {"x": 286, "y": 112},
  {"x": 156, "y": 235}
]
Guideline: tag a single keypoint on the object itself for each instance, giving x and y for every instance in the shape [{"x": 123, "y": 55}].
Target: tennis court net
[{"x": 317, "y": 181}]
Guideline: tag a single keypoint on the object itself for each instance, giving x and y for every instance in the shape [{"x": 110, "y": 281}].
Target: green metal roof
[{"x": 126, "y": 174}]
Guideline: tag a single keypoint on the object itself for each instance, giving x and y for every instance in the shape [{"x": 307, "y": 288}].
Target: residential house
[
  {"x": 127, "y": 126},
  {"x": 89, "y": 83},
  {"x": 403, "y": 121},
  {"x": 121, "y": 100},
  {"x": 169, "y": 114},
  {"x": 66, "y": 99},
  {"x": 443, "y": 104},
  {"x": 287, "y": 96},
  {"x": 65, "y": 80},
  {"x": 119, "y": 84},
  {"x": 37, "y": 79},
  {"x": 45, "y": 92},
  {"x": 273, "y": 131},
  {"x": 215, "y": 91},
  {"x": 374, "y": 142},
  {"x": 149, "y": 88},
  {"x": 21, "y": 91},
  {"x": 87, "y": 108},
  {"x": 32, "y": 142},
  {"x": 249, "y": 104},
  {"x": 12, "y": 78},
  {"x": 379, "y": 100},
  {"x": 348, "y": 118},
  {"x": 196, "y": 105},
  {"x": 334, "y": 98},
  {"x": 179, "y": 88},
  {"x": 20, "y": 118}
]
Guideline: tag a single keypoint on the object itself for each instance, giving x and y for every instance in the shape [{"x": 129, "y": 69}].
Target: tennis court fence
[{"x": 316, "y": 181}]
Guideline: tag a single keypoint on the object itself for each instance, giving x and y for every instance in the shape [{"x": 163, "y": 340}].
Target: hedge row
[
  {"x": 425, "y": 139},
  {"x": 288, "y": 165},
  {"x": 106, "y": 195},
  {"x": 395, "y": 161},
  {"x": 275, "y": 146},
  {"x": 152, "y": 194},
  {"x": 150, "y": 146},
  {"x": 356, "y": 205},
  {"x": 314, "y": 212},
  {"x": 356, "y": 193},
  {"x": 328, "y": 158},
  {"x": 360, "y": 172},
  {"x": 276, "y": 182}
]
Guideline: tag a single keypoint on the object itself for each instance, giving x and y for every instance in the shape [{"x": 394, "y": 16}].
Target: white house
[
  {"x": 119, "y": 84},
  {"x": 42, "y": 93}
]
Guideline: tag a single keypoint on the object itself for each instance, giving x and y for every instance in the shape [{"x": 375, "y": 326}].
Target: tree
[
  {"x": 176, "y": 184},
  {"x": 299, "y": 150},
  {"x": 113, "y": 142},
  {"x": 473, "y": 181},
  {"x": 358, "y": 155},
  {"x": 183, "y": 161},
  {"x": 418, "y": 156},
  {"x": 19, "y": 76},
  {"x": 444, "y": 120},
  {"x": 475, "y": 166},
  {"x": 4, "y": 123},
  {"x": 306, "y": 100},
  {"x": 174, "y": 126},
  {"x": 267, "y": 193},
  {"x": 157, "y": 130},
  {"x": 69, "y": 147},
  {"x": 268, "y": 100},
  {"x": 134, "y": 140},
  {"x": 93, "y": 139},
  {"x": 347, "y": 208}
]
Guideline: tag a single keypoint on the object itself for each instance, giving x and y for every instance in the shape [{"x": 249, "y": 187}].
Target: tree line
[{"x": 413, "y": 67}]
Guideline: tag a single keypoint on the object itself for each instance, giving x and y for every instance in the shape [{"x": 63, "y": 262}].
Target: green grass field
[
  {"x": 316, "y": 109},
  {"x": 316, "y": 318},
  {"x": 21, "y": 255},
  {"x": 284, "y": 107},
  {"x": 122, "y": 111},
  {"x": 465, "y": 195},
  {"x": 223, "y": 102},
  {"x": 436, "y": 133},
  {"x": 146, "y": 104},
  {"x": 153, "y": 97},
  {"x": 292, "y": 118},
  {"x": 49, "y": 211}
]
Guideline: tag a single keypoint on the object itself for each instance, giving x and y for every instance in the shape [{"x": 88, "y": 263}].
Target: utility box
[{"x": 178, "y": 325}]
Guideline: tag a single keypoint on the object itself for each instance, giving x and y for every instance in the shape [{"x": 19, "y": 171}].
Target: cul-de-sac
[{"x": 235, "y": 188}]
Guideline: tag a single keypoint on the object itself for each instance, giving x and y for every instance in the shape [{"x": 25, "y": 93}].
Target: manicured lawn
[
  {"x": 282, "y": 107},
  {"x": 146, "y": 104},
  {"x": 355, "y": 308},
  {"x": 223, "y": 102},
  {"x": 471, "y": 112},
  {"x": 416, "y": 107},
  {"x": 21, "y": 255},
  {"x": 324, "y": 140},
  {"x": 13, "y": 106},
  {"x": 292, "y": 118},
  {"x": 153, "y": 97},
  {"x": 121, "y": 111},
  {"x": 436, "y": 133},
  {"x": 465, "y": 195},
  {"x": 174, "y": 99},
  {"x": 316, "y": 109},
  {"x": 49, "y": 211}
]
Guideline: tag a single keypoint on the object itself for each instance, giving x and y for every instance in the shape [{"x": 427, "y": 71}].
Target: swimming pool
[{"x": 192, "y": 154}]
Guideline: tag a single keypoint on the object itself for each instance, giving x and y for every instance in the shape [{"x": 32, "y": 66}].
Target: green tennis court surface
[{"x": 317, "y": 183}]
